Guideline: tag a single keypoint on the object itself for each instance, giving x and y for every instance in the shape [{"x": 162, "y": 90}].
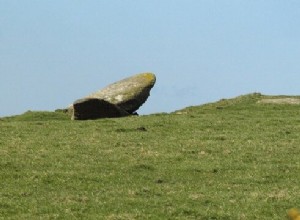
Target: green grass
[{"x": 234, "y": 159}]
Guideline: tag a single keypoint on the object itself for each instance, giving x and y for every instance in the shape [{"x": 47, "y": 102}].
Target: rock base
[{"x": 91, "y": 108}]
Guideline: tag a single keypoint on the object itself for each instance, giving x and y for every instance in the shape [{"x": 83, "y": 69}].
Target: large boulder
[
  {"x": 119, "y": 99},
  {"x": 128, "y": 94},
  {"x": 93, "y": 108}
]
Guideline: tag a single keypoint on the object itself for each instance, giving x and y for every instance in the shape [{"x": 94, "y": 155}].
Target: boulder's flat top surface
[
  {"x": 129, "y": 93},
  {"x": 126, "y": 88}
]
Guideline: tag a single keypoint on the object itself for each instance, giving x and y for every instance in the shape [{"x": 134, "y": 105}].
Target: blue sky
[{"x": 53, "y": 52}]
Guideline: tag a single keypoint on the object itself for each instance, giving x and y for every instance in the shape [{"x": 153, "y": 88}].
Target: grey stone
[
  {"x": 128, "y": 94},
  {"x": 119, "y": 99}
]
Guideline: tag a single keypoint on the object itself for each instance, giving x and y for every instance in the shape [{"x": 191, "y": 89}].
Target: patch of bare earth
[{"x": 292, "y": 101}]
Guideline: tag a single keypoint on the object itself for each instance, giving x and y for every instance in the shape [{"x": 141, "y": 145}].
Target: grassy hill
[{"x": 233, "y": 159}]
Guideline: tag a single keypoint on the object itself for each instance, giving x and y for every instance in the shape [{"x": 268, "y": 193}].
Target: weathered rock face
[
  {"x": 119, "y": 99},
  {"x": 128, "y": 94},
  {"x": 93, "y": 108}
]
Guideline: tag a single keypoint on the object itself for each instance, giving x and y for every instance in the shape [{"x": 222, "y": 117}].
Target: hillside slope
[{"x": 233, "y": 159}]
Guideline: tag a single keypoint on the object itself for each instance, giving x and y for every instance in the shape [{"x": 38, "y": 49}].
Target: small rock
[
  {"x": 159, "y": 181},
  {"x": 141, "y": 129}
]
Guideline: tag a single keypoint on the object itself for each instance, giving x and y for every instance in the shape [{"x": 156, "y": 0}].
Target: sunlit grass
[{"x": 234, "y": 159}]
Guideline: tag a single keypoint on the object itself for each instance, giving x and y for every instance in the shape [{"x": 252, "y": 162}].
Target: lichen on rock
[{"x": 128, "y": 94}]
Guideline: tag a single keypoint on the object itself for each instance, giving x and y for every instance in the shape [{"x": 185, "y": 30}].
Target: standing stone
[
  {"x": 128, "y": 94},
  {"x": 92, "y": 108},
  {"x": 119, "y": 99}
]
